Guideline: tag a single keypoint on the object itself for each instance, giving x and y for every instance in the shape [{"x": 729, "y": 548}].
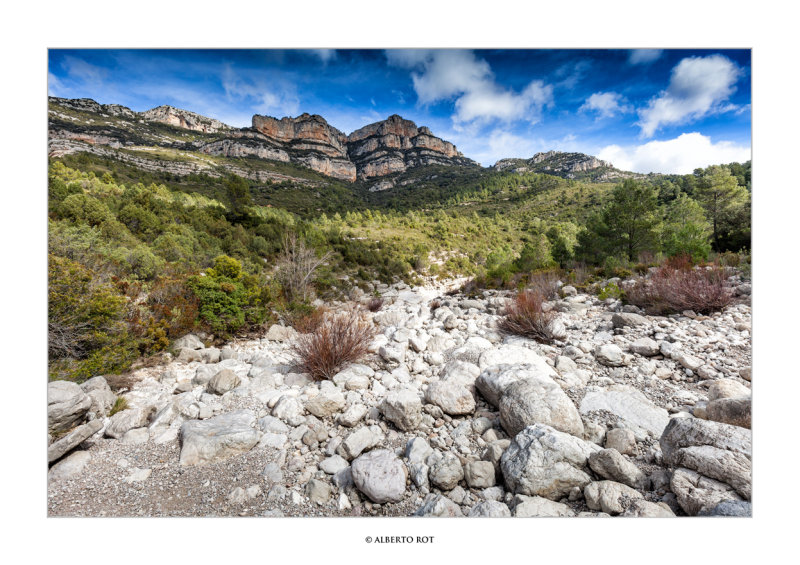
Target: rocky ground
[{"x": 625, "y": 414}]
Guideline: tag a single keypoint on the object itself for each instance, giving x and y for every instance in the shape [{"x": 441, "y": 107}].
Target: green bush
[{"x": 611, "y": 290}]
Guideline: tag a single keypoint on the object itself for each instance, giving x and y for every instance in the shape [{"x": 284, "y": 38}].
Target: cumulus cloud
[
  {"x": 698, "y": 86},
  {"x": 606, "y": 104},
  {"x": 459, "y": 75},
  {"x": 681, "y": 155},
  {"x": 644, "y": 56},
  {"x": 266, "y": 99}
]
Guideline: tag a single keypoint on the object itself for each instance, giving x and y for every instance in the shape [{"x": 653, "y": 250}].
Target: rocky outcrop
[
  {"x": 566, "y": 165},
  {"x": 184, "y": 119}
]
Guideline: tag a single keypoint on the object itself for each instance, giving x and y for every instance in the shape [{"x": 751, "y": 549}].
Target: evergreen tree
[
  {"x": 628, "y": 223},
  {"x": 724, "y": 201}
]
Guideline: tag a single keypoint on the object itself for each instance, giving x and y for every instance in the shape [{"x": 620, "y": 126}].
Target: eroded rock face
[
  {"x": 206, "y": 441},
  {"x": 538, "y": 400},
  {"x": 67, "y": 405},
  {"x": 381, "y": 475},
  {"x": 184, "y": 119}
]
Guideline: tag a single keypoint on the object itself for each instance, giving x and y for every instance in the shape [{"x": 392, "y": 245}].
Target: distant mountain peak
[{"x": 566, "y": 165}]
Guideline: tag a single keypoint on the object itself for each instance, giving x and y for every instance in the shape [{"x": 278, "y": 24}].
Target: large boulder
[
  {"x": 189, "y": 341},
  {"x": 122, "y": 422},
  {"x": 622, "y": 319},
  {"x": 609, "y": 355},
  {"x": 611, "y": 464},
  {"x": 733, "y": 411},
  {"x": 494, "y": 380},
  {"x": 542, "y": 461},
  {"x": 629, "y": 405},
  {"x": 512, "y": 355},
  {"x": 697, "y": 494},
  {"x": 224, "y": 381},
  {"x": 454, "y": 399},
  {"x": 727, "y": 388},
  {"x": 220, "y": 437},
  {"x": 609, "y": 496},
  {"x": 67, "y": 405},
  {"x": 70, "y": 466},
  {"x": 538, "y": 400},
  {"x": 381, "y": 475},
  {"x": 403, "y": 408},
  {"x": 103, "y": 398},
  {"x": 326, "y": 403},
  {"x": 72, "y": 440},
  {"x": 719, "y": 451}
]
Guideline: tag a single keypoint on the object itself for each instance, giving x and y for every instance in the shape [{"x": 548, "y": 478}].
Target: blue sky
[{"x": 644, "y": 110}]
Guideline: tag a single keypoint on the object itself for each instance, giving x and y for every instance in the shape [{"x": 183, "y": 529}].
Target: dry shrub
[
  {"x": 435, "y": 304},
  {"x": 309, "y": 323},
  {"x": 375, "y": 304},
  {"x": 121, "y": 382},
  {"x": 524, "y": 316},
  {"x": 342, "y": 338},
  {"x": 682, "y": 262},
  {"x": 544, "y": 283},
  {"x": 671, "y": 290}
]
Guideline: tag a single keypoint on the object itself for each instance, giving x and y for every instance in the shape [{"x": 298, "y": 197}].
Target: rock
[
  {"x": 318, "y": 491},
  {"x": 609, "y": 355},
  {"x": 629, "y": 405},
  {"x": 536, "y": 506},
  {"x": 514, "y": 355},
  {"x": 333, "y": 464},
  {"x": 479, "y": 474},
  {"x": 727, "y": 388},
  {"x": 126, "y": 420},
  {"x": 490, "y": 509},
  {"x": 280, "y": 333},
  {"x": 731, "y": 508},
  {"x": 610, "y": 497},
  {"x": 326, "y": 403},
  {"x": 189, "y": 341},
  {"x": 538, "y": 400},
  {"x": 290, "y": 410},
  {"x": 719, "y": 451},
  {"x": 493, "y": 381},
  {"x": 138, "y": 475},
  {"x": 453, "y": 398},
  {"x": 438, "y": 506},
  {"x": 610, "y": 464},
  {"x": 746, "y": 373},
  {"x": 697, "y": 493},
  {"x": 358, "y": 441},
  {"x": 640, "y": 508},
  {"x": 353, "y": 415},
  {"x": 224, "y": 381},
  {"x": 621, "y": 320},
  {"x": 621, "y": 439},
  {"x": 220, "y": 437},
  {"x": 275, "y": 441},
  {"x": 67, "y": 405},
  {"x": 394, "y": 352},
  {"x": 686, "y": 360},
  {"x": 542, "y": 461},
  {"x": 733, "y": 411},
  {"x": 103, "y": 398},
  {"x": 381, "y": 475},
  {"x": 272, "y": 472},
  {"x": 403, "y": 408},
  {"x": 494, "y": 452},
  {"x": 70, "y": 466},
  {"x": 568, "y": 290},
  {"x": 210, "y": 355},
  {"x": 645, "y": 346},
  {"x": 460, "y": 372},
  {"x": 446, "y": 472},
  {"x": 136, "y": 436},
  {"x": 64, "y": 445},
  {"x": 187, "y": 355},
  {"x": 417, "y": 450}
]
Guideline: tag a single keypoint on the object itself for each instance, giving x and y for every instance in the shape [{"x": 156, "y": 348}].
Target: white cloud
[
  {"x": 698, "y": 86},
  {"x": 54, "y": 86},
  {"x": 261, "y": 93},
  {"x": 80, "y": 69},
  {"x": 498, "y": 144},
  {"x": 325, "y": 55},
  {"x": 606, "y": 104},
  {"x": 458, "y": 74},
  {"x": 644, "y": 56},
  {"x": 681, "y": 155}
]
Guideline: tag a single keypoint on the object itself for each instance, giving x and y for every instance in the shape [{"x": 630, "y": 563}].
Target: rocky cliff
[
  {"x": 565, "y": 165},
  {"x": 184, "y": 119}
]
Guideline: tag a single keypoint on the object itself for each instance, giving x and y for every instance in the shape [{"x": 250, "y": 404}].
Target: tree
[
  {"x": 723, "y": 199},
  {"x": 628, "y": 223},
  {"x": 296, "y": 266},
  {"x": 686, "y": 230}
]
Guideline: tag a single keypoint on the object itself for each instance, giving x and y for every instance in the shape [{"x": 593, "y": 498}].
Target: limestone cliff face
[
  {"x": 305, "y": 132},
  {"x": 566, "y": 165},
  {"x": 184, "y": 119}
]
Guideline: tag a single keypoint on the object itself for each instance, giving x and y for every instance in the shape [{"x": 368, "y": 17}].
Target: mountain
[
  {"x": 386, "y": 147},
  {"x": 566, "y": 165}
]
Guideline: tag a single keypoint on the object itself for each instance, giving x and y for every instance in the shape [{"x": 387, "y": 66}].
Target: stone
[
  {"x": 333, "y": 464},
  {"x": 687, "y": 361},
  {"x": 494, "y": 452},
  {"x": 609, "y": 355},
  {"x": 611, "y": 464},
  {"x": 453, "y": 398},
  {"x": 381, "y": 475},
  {"x": 224, "y": 381},
  {"x": 417, "y": 450},
  {"x": 438, "y": 506},
  {"x": 275, "y": 441},
  {"x": 733, "y": 411},
  {"x": 715, "y": 450},
  {"x": 538, "y": 400},
  {"x": 730, "y": 508},
  {"x": 403, "y": 408},
  {"x": 623, "y": 319},
  {"x": 696, "y": 493},
  {"x": 67, "y": 405},
  {"x": 629, "y": 405},
  {"x": 394, "y": 352},
  {"x": 489, "y": 509},
  {"x": 493, "y": 381},
  {"x": 64, "y": 445},
  {"x": 542, "y": 461},
  {"x": 537, "y": 507},
  {"x": 479, "y": 474},
  {"x": 317, "y": 491},
  {"x": 220, "y": 437},
  {"x": 272, "y": 472},
  {"x": 514, "y": 355},
  {"x": 210, "y": 355},
  {"x": 189, "y": 341},
  {"x": 353, "y": 415},
  {"x": 290, "y": 410},
  {"x": 326, "y": 403},
  {"x": 446, "y": 472},
  {"x": 640, "y": 508},
  {"x": 645, "y": 346},
  {"x": 609, "y": 496},
  {"x": 126, "y": 420},
  {"x": 359, "y": 441},
  {"x": 621, "y": 439},
  {"x": 280, "y": 333},
  {"x": 103, "y": 398},
  {"x": 727, "y": 388},
  {"x": 187, "y": 355},
  {"x": 138, "y": 475},
  {"x": 136, "y": 436},
  {"x": 71, "y": 466}
]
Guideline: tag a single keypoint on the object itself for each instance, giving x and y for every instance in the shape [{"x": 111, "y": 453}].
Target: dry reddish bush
[
  {"x": 671, "y": 290},
  {"x": 375, "y": 304},
  {"x": 309, "y": 323},
  {"x": 524, "y": 316},
  {"x": 436, "y": 304},
  {"x": 342, "y": 338},
  {"x": 682, "y": 262}
]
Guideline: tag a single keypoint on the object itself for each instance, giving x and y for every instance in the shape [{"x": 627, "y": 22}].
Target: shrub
[
  {"x": 342, "y": 338},
  {"x": 611, "y": 290},
  {"x": 375, "y": 304},
  {"x": 544, "y": 283},
  {"x": 307, "y": 322},
  {"x": 120, "y": 404},
  {"x": 296, "y": 267},
  {"x": 670, "y": 290},
  {"x": 524, "y": 316}
]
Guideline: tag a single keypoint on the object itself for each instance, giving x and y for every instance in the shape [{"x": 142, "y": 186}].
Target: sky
[{"x": 643, "y": 110}]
